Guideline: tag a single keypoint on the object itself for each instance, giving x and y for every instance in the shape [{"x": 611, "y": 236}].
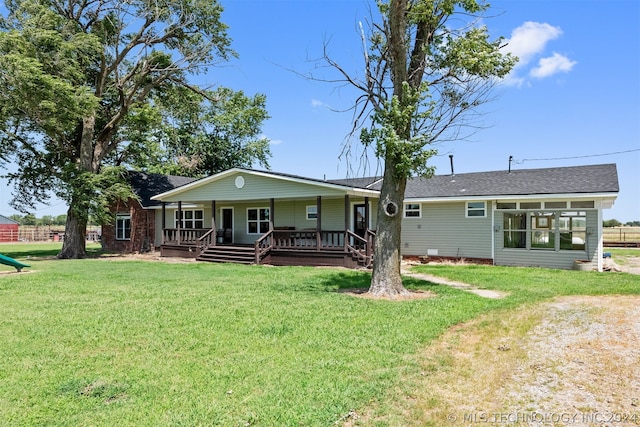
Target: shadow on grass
[
  {"x": 357, "y": 280},
  {"x": 36, "y": 254}
]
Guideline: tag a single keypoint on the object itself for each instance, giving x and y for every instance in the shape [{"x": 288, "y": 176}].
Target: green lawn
[{"x": 106, "y": 342}]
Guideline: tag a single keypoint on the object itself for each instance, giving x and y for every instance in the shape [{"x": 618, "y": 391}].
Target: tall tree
[
  {"x": 195, "y": 137},
  {"x": 423, "y": 77},
  {"x": 73, "y": 76}
]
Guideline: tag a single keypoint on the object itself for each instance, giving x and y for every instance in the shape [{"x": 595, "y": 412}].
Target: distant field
[{"x": 621, "y": 234}]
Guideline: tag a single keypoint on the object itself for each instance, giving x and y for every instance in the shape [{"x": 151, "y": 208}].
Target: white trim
[
  {"x": 404, "y": 211},
  {"x": 258, "y": 220},
  {"x": 467, "y": 209},
  {"x": 233, "y": 221},
  {"x": 352, "y": 191},
  {"x": 495, "y": 229},
  {"x": 598, "y": 197},
  {"x": 353, "y": 204},
  {"x": 599, "y": 250},
  {"x": 120, "y": 216},
  {"x": 307, "y": 213}
]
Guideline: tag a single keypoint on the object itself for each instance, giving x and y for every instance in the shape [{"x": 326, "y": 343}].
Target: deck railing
[
  {"x": 206, "y": 240},
  {"x": 263, "y": 246},
  {"x": 183, "y": 236},
  {"x": 360, "y": 247},
  {"x": 309, "y": 240}
]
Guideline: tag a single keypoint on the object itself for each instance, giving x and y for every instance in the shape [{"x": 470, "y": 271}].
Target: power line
[{"x": 579, "y": 157}]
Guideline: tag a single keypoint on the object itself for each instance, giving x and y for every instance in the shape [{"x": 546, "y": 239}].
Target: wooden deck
[{"x": 279, "y": 247}]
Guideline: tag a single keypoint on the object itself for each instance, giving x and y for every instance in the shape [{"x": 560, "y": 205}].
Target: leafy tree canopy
[{"x": 89, "y": 88}]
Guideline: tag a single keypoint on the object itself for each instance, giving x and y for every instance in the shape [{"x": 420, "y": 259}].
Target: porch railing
[
  {"x": 361, "y": 247},
  {"x": 183, "y": 236},
  {"x": 263, "y": 246},
  {"x": 206, "y": 240},
  {"x": 309, "y": 239}
]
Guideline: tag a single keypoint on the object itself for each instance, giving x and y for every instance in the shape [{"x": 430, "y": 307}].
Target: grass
[{"x": 112, "y": 342}]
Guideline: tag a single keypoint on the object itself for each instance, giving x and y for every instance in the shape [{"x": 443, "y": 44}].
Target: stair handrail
[
  {"x": 263, "y": 246},
  {"x": 206, "y": 241},
  {"x": 367, "y": 256}
]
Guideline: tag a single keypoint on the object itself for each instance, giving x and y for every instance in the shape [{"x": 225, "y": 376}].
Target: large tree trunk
[
  {"x": 386, "y": 280},
  {"x": 74, "y": 245}
]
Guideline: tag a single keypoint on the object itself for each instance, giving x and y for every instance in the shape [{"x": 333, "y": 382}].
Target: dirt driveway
[{"x": 573, "y": 361}]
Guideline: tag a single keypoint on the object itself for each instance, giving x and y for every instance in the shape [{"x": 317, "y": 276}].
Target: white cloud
[
  {"x": 552, "y": 65},
  {"x": 315, "y": 103},
  {"x": 530, "y": 39},
  {"x": 529, "y": 42}
]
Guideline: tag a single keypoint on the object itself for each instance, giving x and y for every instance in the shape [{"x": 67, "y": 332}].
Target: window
[
  {"x": 312, "y": 212},
  {"x": 572, "y": 229},
  {"x": 530, "y": 205},
  {"x": 505, "y": 205},
  {"x": 515, "y": 230},
  {"x": 555, "y": 205},
  {"x": 583, "y": 204},
  {"x": 542, "y": 229},
  {"x": 123, "y": 226},
  {"x": 545, "y": 230},
  {"x": 476, "y": 210},
  {"x": 257, "y": 220},
  {"x": 190, "y": 219},
  {"x": 413, "y": 210}
]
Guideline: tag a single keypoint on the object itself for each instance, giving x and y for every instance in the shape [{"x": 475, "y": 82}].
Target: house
[
  {"x": 134, "y": 225},
  {"x": 8, "y": 229},
  {"x": 535, "y": 217}
]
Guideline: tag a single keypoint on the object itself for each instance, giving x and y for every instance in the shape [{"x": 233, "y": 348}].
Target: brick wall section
[{"x": 142, "y": 229}]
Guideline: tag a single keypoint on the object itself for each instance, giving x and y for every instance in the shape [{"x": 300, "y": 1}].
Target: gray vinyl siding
[
  {"x": 562, "y": 259},
  {"x": 444, "y": 227},
  {"x": 255, "y": 188}
]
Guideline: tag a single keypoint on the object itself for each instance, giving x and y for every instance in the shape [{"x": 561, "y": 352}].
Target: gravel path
[{"x": 583, "y": 365}]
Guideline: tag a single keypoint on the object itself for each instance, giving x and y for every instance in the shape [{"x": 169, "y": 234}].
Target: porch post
[
  {"x": 271, "y": 213},
  {"x": 346, "y": 221},
  {"x": 179, "y": 220},
  {"x": 318, "y": 222},
  {"x": 346, "y": 213},
  {"x": 164, "y": 221},
  {"x": 366, "y": 212},
  {"x": 213, "y": 223}
]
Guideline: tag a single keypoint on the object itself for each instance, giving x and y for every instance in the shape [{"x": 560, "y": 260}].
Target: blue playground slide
[{"x": 12, "y": 262}]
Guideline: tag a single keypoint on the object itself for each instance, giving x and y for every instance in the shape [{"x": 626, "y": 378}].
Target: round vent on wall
[{"x": 240, "y": 182}]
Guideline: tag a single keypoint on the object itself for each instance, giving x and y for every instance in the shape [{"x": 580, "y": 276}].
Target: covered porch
[{"x": 276, "y": 234}]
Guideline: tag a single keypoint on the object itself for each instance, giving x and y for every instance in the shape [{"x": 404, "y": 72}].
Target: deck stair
[{"x": 233, "y": 254}]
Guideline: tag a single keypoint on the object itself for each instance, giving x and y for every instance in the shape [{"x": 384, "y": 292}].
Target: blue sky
[{"x": 574, "y": 99}]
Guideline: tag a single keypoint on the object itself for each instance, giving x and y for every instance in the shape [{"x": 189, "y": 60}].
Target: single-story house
[
  {"x": 8, "y": 229},
  {"x": 548, "y": 217}
]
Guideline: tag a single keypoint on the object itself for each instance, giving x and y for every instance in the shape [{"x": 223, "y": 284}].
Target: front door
[
  {"x": 360, "y": 220},
  {"x": 227, "y": 225}
]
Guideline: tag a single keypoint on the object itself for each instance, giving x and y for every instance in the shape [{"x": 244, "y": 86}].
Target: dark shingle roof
[
  {"x": 147, "y": 185},
  {"x": 561, "y": 180}
]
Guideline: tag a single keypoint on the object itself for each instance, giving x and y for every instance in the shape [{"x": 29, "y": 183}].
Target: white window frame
[
  {"x": 312, "y": 212},
  {"x": 192, "y": 214},
  {"x": 469, "y": 209},
  {"x": 258, "y": 221},
  {"x": 409, "y": 208},
  {"x": 120, "y": 227}
]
